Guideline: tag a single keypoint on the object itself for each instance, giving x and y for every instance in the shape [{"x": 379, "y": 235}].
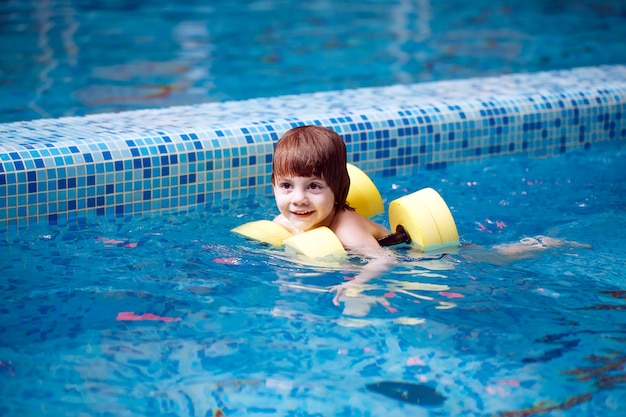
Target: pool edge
[{"x": 64, "y": 171}]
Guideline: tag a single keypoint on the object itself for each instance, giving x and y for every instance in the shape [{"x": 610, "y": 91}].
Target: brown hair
[{"x": 313, "y": 151}]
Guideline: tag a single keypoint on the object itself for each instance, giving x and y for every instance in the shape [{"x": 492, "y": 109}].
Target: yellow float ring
[
  {"x": 443, "y": 217},
  {"x": 426, "y": 218},
  {"x": 363, "y": 195},
  {"x": 318, "y": 243},
  {"x": 424, "y": 215},
  {"x": 265, "y": 231},
  {"x": 412, "y": 213}
]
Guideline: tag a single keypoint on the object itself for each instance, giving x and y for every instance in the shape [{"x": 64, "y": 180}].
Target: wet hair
[{"x": 313, "y": 151}]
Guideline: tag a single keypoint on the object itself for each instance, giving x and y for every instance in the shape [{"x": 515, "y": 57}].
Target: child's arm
[
  {"x": 526, "y": 248},
  {"x": 359, "y": 236},
  {"x": 379, "y": 262}
]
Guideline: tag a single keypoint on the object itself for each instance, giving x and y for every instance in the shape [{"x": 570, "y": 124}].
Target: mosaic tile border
[{"x": 72, "y": 169}]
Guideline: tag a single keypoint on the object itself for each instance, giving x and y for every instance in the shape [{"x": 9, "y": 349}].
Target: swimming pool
[
  {"x": 243, "y": 329},
  {"x": 124, "y": 292}
]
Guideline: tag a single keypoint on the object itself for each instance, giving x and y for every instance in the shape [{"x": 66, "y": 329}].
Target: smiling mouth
[{"x": 302, "y": 213}]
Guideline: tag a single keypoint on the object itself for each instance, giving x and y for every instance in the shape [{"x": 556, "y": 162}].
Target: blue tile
[{"x": 421, "y": 119}]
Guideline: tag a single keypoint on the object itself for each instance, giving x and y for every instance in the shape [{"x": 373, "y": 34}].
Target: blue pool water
[
  {"x": 244, "y": 330},
  {"x": 70, "y": 57},
  {"x": 171, "y": 314}
]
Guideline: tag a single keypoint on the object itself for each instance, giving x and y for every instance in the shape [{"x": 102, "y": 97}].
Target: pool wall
[{"x": 70, "y": 170}]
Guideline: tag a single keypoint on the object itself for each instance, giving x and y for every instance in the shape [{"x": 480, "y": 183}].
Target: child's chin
[
  {"x": 303, "y": 224},
  {"x": 305, "y": 227}
]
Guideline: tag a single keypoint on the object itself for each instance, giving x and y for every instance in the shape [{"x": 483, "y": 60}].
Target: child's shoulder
[{"x": 350, "y": 221}]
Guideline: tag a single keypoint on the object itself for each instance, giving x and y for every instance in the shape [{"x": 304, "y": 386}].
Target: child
[{"x": 311, "y": 184}]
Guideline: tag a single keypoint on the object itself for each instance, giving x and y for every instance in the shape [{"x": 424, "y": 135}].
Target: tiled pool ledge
[{"x": 72, "y": 169}]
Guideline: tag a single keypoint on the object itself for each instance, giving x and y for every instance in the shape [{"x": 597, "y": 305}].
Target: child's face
[{"x": 306, "y": 202}]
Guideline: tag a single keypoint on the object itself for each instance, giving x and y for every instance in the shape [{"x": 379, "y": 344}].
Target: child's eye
[
  {"x": 284, "y": 185},
  {"x": 315, "y": 186}
]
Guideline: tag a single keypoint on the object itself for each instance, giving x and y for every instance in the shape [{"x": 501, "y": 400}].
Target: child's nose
[{"x": 299, "y": 196}]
